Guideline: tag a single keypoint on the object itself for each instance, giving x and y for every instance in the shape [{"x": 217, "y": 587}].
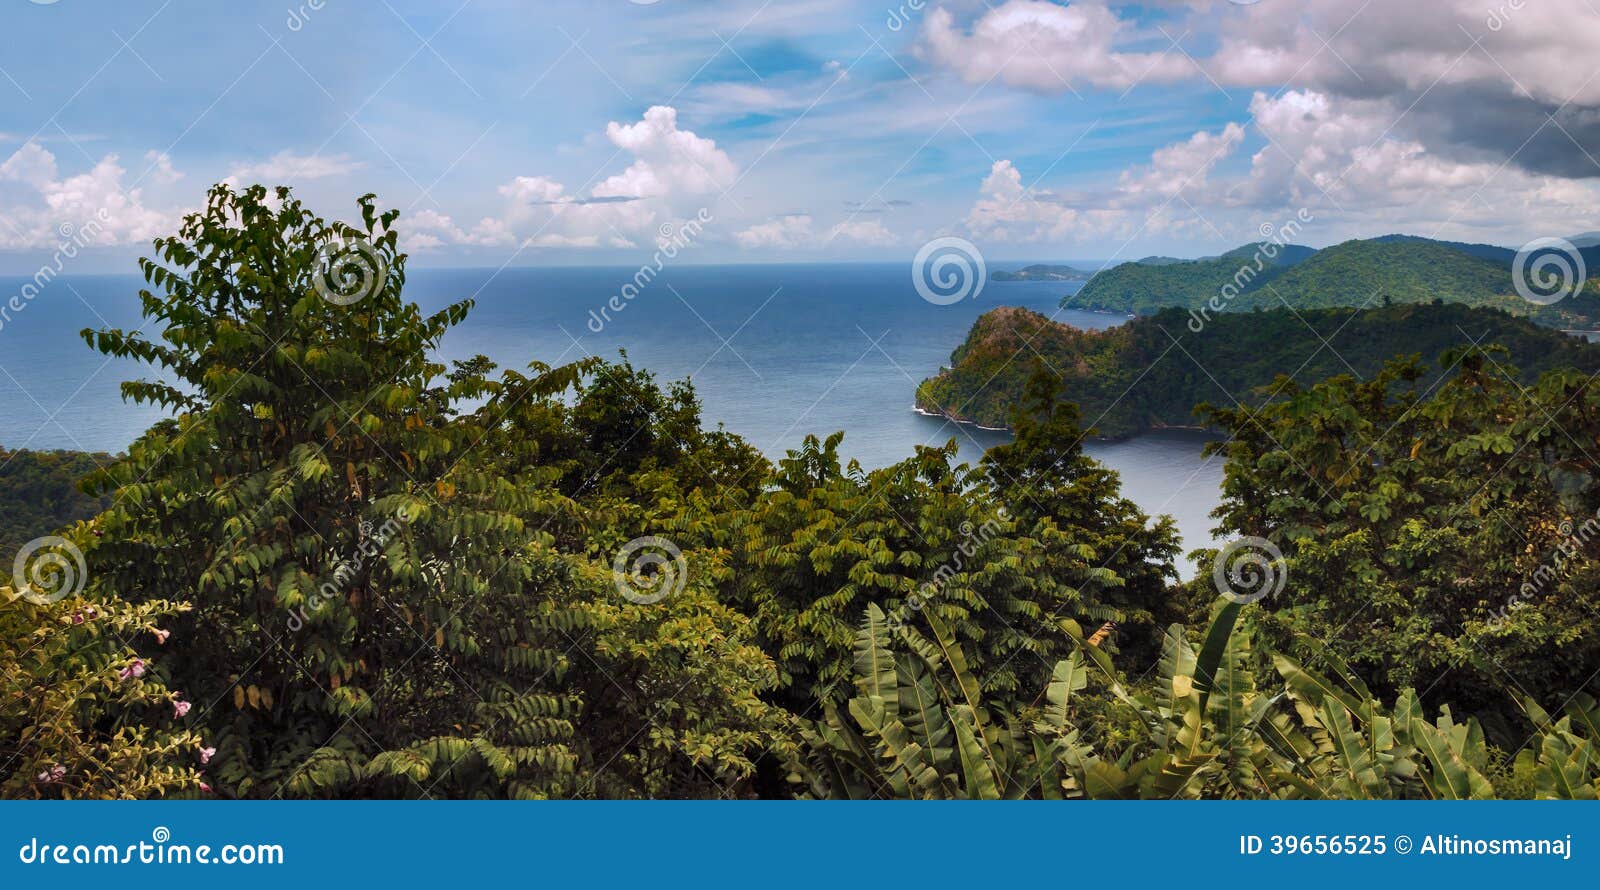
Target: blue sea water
[{"x": 775, "y": 352}]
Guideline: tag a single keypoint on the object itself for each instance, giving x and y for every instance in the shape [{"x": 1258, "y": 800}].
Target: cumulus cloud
[
  {"x": 1179, "y": 168},
  {"x": 1474, "y": 82},
  {"x": 672, "y": 175},
  {"x": 1146, "y": 196},
  {"x": 1335, "y": 157},
  {"x": 1341, "y": 154},
  {"x": 1008, "y": 211},
  {"x": 789, "y": 231},
  {"x": 1046, "y": 47},
  {"x": 38, "y": 203},
  {"x": 667, "y": 160}
]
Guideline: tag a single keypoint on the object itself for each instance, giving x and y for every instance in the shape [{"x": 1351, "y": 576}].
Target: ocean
[{"x": 775, "y": 352}]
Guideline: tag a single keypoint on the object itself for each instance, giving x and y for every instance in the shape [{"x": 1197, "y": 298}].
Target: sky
[{"x": 520, "y": 134}]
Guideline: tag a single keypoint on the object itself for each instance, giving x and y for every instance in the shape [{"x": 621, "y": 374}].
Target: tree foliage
[{"x": 1442, "y": 540}]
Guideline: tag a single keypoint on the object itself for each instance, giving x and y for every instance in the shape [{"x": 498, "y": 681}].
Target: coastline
[{"x": 957, "y": 419}]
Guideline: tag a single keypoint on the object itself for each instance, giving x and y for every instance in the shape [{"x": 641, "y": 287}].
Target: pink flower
[
  {"x": 180, "y": 707},
  {"x": 161, "y": 636},
  {"x": 135, "y": 668},
  {"x": 89, "y": 611},
  {"x": 204, "y": 787},
  {"x": 53, "y": 774},
  {"x": 77, "y": 617},
  {"x": 206, "y": 753}
]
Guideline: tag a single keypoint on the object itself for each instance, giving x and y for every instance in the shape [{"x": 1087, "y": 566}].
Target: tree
[
  {"x": 1438, "y": 539},
  {"x": 376, "y": 612},
  {"x": 1103, "y": 559}
]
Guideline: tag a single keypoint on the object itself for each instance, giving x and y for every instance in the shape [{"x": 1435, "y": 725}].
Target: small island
[{"x": 1041, "y": 272}]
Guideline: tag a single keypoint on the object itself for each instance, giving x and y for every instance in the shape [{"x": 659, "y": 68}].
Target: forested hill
[
  {"x": 39, "y": 493},
  {"x": 1358, "y": 273},
  {"x": 1158, "y": 282},
  {"x": 1484, "y": 251},
  {"x": 1133, "y": 377},
  {"x": 1391, "y": 268}
]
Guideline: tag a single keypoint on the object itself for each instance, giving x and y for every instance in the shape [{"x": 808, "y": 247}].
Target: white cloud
[
  {"x": 789, "y": 231},
  {"x": 286, "y": 167},
  {"x": 667, "y": 160},
  {"x": 37, "y": 201},
  {"x": 673, "y": 174},
  {"x": 1410, "y": 47},
  {"x": 160, "y": 169},
  {"x": 1336, "y": 157},
  {"x": 795, "y": 231},
  {"x": 1340, "y": 154},
  {"x": 1472, "y": 81},
  {"x": 869, "y": 232},
  {"x": 1046, "y": 47},
  {"x": 1008, "y": 211},
  {"x": 1180, "y": 168}
]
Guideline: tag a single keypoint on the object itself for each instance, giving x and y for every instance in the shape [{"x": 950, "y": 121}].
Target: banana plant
[
  {"x": 919, "y": 727},
  {"x": 1564, "y": 755}
]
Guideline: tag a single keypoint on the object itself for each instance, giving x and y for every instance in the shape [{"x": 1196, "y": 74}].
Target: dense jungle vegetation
[
  {"x": 346, "y": 569},
  {"x": 1154, "y": 370}
]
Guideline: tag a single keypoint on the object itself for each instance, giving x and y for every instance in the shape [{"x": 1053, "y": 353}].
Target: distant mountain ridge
[
  {"x": 1393, "y": 268},
  {"x": 1159, "y": 282}
]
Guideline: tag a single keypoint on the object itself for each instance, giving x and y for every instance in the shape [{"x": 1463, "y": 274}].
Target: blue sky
[{"x": 515, "y": 133}]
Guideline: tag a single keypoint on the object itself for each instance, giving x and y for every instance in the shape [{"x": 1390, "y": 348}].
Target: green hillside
[
  {"x": 1132, "y": 378},
  {"x": 1159, "y": 282},
  {"x": 1358, "y": 273},
  {"x": 1401, "y": 268}
]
